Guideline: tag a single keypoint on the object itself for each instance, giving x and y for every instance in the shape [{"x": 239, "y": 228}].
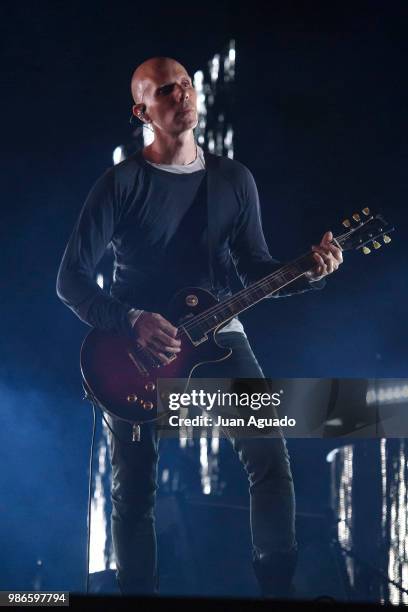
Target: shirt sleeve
[
  {"x": 76, "y": 282},
  {"x": 249, "y": 250}
]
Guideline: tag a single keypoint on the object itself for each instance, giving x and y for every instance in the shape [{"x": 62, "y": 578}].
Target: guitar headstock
[{"x": 364, "y": 231}]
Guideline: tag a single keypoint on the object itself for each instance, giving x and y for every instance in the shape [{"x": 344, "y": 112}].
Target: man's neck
[{"x": 172, "y": 150}]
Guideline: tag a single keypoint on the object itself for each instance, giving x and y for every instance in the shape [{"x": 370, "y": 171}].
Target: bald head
[
  {"x": 149, "y": 73},
  {"x": 164, "y": 96}
]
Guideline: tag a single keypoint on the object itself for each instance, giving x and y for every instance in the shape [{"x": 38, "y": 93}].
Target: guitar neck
[
  {"x": 367, "y": 231},
  {"x": 244, "y": 299}
]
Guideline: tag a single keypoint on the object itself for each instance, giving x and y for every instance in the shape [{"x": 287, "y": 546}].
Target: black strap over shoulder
[{"x": 211, "y": 164}]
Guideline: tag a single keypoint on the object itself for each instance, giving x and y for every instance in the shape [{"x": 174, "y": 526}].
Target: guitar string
[
  {"x": 214, "y": 310},
  {"x": 182, "y": 330},
  {"x": 258, "y": 284},
  {"x": 255, "y": 286}
]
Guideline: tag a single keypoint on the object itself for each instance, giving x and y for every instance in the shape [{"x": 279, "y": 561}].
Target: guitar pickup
[
  {"x": 196, "y": 338},
  {"x": 140, "y": 367}
]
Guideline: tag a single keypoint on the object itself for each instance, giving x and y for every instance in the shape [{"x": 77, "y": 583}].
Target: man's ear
[{"x": 139, "y": 111}]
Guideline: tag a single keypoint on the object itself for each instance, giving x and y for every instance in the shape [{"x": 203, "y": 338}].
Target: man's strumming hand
[
  {"x": 154, "y": 332},
  {"x": 328, "y": 258}
]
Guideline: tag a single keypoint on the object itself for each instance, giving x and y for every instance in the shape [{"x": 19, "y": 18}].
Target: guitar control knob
[
  {"x": 148, "y": 405},
  {"x": 346, "y": 223},
  {"x": 357, "y": 217},
  {"x": 376, "y": 244},
  {"x": 386, "y": 239},
  {"x": 150, "y": 386},
  {"x": 366, "y": 250},
  {"x": 131, "y": 398},
  {"x": 366, "y": 211}
]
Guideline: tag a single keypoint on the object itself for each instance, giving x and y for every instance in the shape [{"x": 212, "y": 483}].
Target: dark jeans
[{"x": 134, "y": 484}]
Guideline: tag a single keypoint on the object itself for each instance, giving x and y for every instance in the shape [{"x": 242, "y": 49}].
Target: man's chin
[{"x": 187, "y": 121}]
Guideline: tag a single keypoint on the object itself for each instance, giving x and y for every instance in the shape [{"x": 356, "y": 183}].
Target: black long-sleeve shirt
[{"x": 156, "y": 222}]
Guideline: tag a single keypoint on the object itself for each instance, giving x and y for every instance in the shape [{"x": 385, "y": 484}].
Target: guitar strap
[{"x": 213, "y": 226}]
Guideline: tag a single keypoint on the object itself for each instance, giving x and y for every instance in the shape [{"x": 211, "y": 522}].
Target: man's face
[{"x": 169, "y": 98}]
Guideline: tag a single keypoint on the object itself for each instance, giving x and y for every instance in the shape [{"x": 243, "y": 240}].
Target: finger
[
  {"x": 164, "y": 338},
  {"x": 167, "y": 327},
  {"x": 330, "y": 263},
  {"x": 328, "y": 256},
  {"x": 167, "y": 349},
  {"x": 327, "y": 238},
  {"x": 158, "y": 353},
  {"x": 325, "y": 249},
  {"x": 334, "y": 262},
  {"x": 157, "y": 345},
  {"x": 165, "y": 360},
  {"x": 319, "y": 259},
  {"x": 320, "y": 269},
  {"x": 326, "y": 262},
  {"x": 337, "y": 253},
  {"x": 322, "y": 250}
]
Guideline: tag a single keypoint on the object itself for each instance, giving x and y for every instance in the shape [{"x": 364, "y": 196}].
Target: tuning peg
[
  {"x": 376, "y": 244},
  {"x": 366, "y": 211},
  {"x": 366, "y": 250},
  {"x": 386, "y": 239},
  {"x": 346, "y": 223},
  {"x": 357, "y": 217}
]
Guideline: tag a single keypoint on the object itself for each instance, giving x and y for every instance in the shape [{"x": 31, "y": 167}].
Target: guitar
[{"x": 121, "y": 376}]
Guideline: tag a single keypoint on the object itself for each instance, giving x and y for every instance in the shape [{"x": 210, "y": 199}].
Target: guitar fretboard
[{"x": 244, "y": 299}]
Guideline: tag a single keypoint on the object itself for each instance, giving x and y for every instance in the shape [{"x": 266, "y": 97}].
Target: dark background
[{"x": 320, "y": 119}]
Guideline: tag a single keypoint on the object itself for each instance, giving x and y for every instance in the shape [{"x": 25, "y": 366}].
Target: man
[{"x": 153, "y": 209}]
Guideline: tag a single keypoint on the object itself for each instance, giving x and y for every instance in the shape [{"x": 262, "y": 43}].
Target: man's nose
[{"x": 182, "y": 93}]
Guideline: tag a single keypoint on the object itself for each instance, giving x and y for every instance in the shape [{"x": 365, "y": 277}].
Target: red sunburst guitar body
[{"x": 122, "y": 377}]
